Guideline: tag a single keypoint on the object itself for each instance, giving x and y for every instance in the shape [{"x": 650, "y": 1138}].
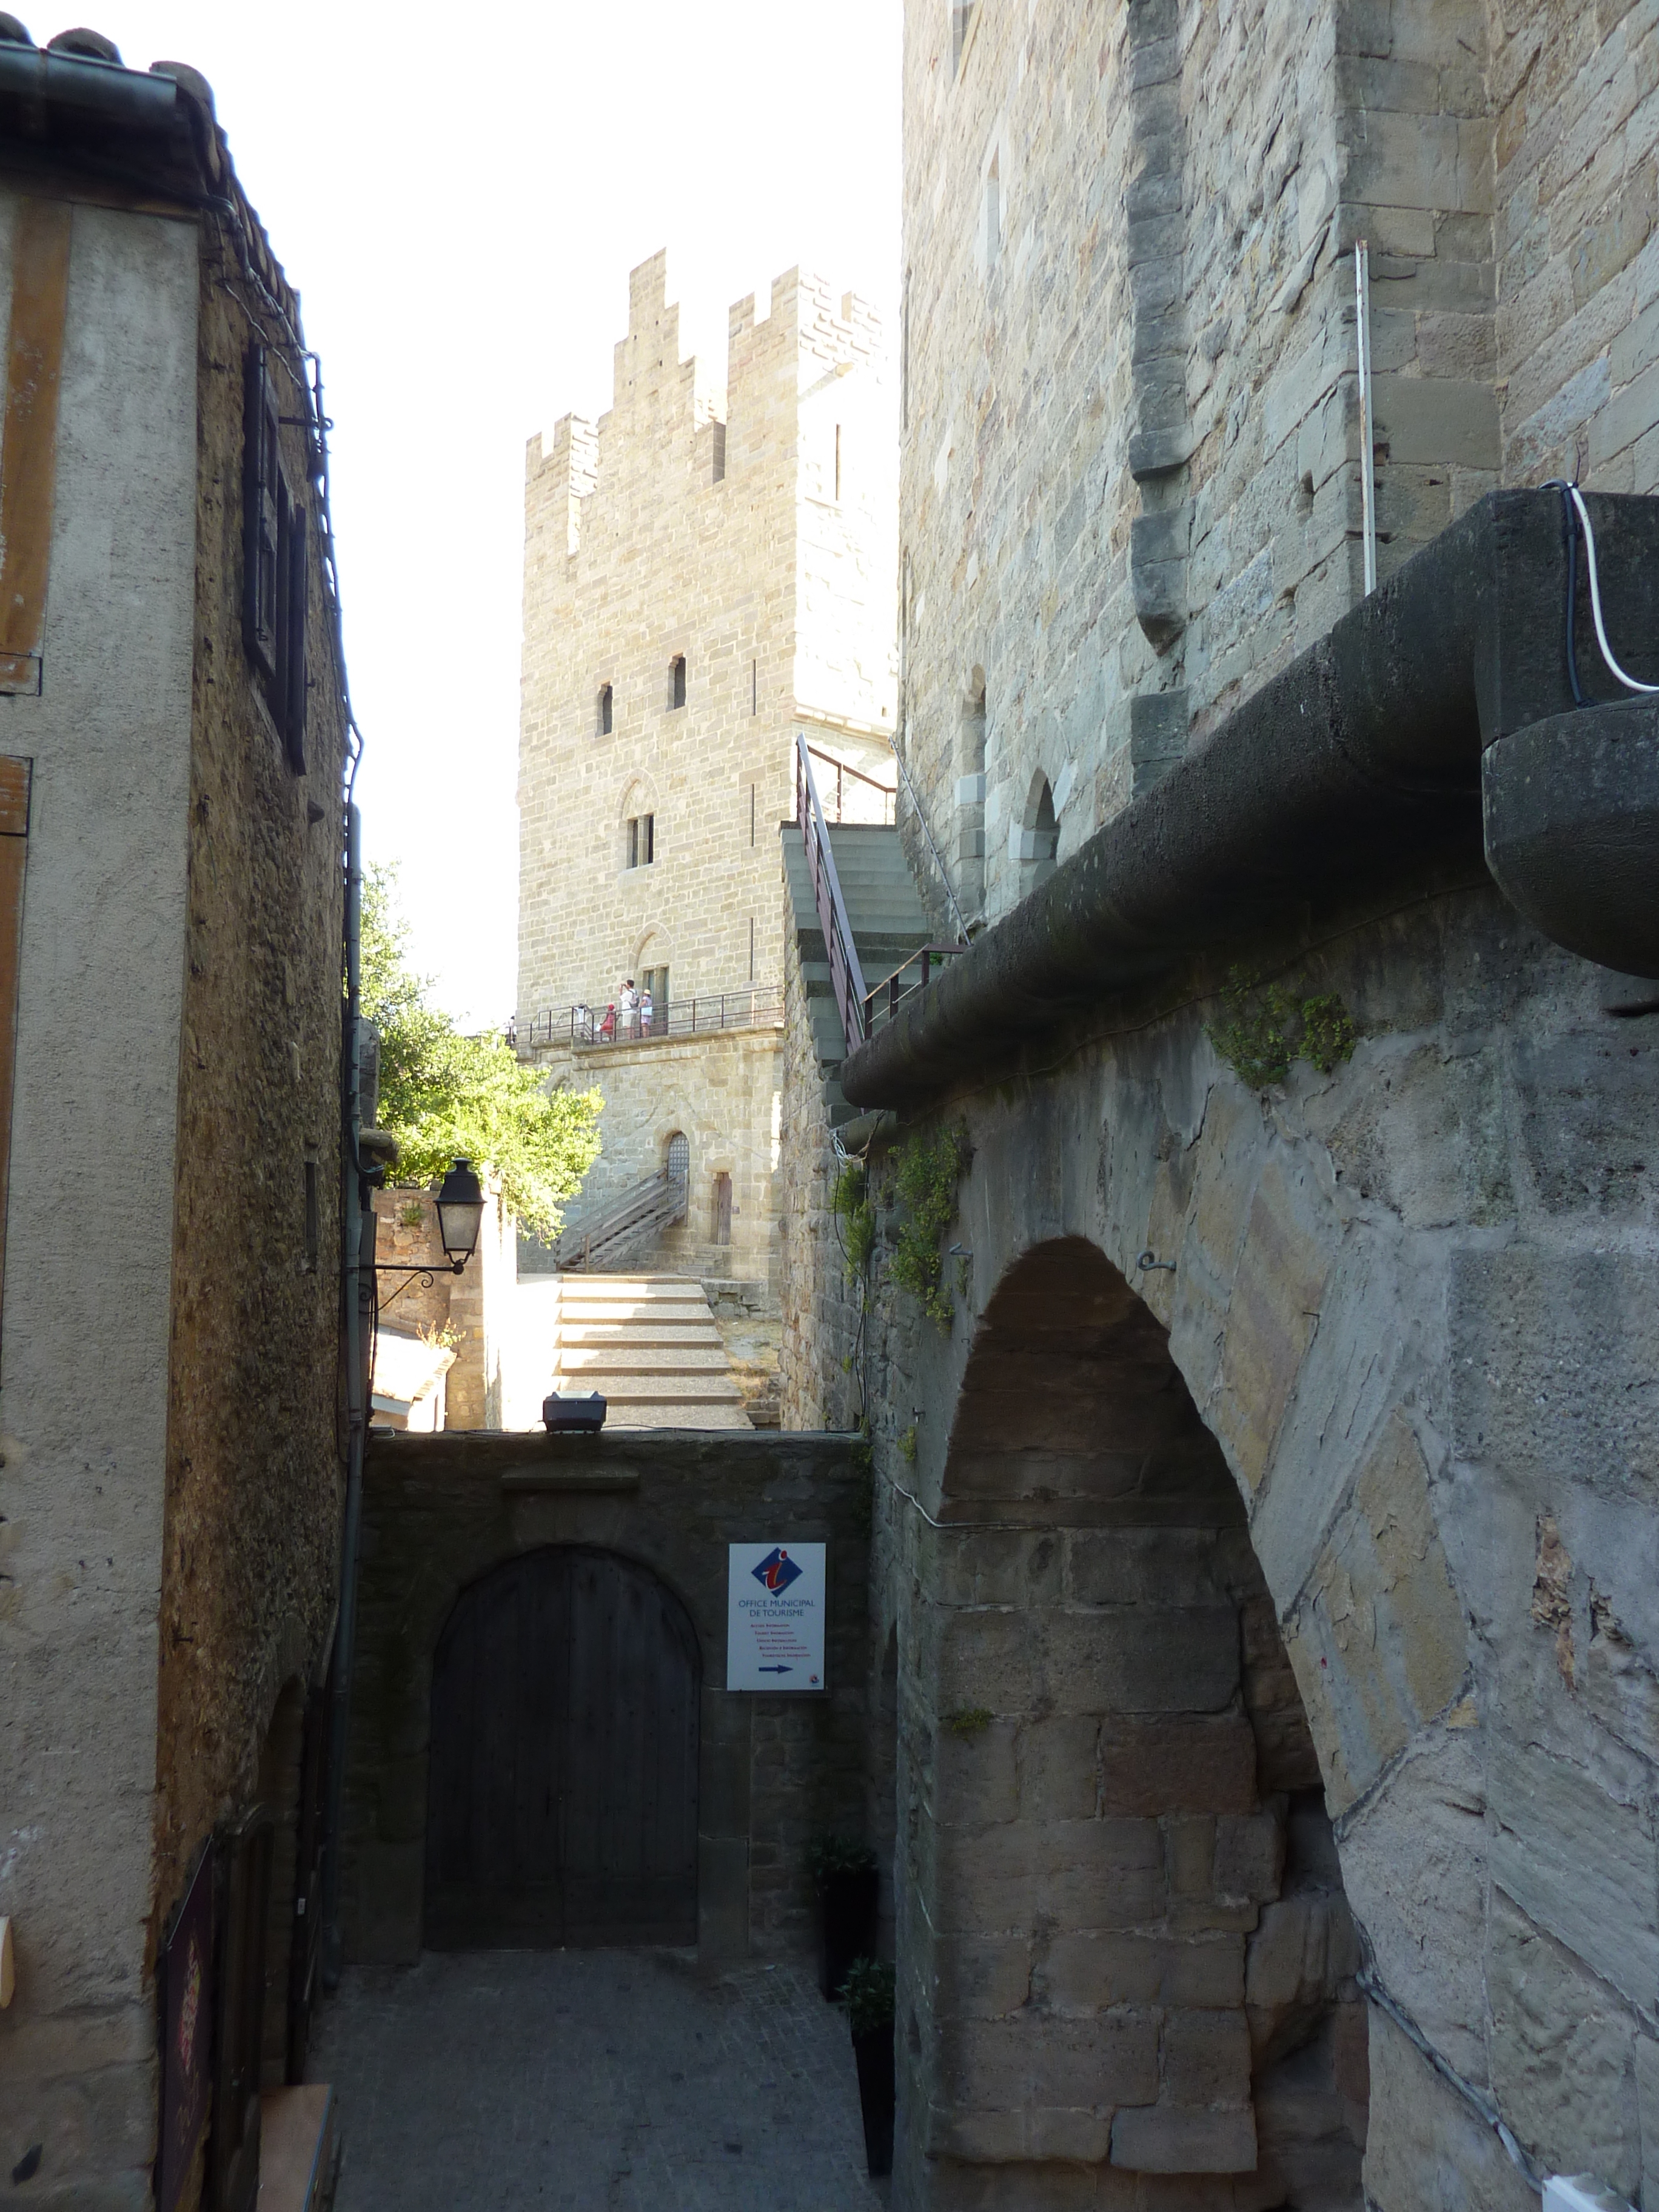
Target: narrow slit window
[
  {"x": 313, "y": 1232},
  {"x": 605, "y": 710},
  {"x": 838, "y": 460},
  {"x": 677, "y": 680}
]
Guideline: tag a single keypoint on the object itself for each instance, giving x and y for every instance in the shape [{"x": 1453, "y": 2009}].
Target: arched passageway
[
  {"x": 1123, "y": 1939},
  {"x": 562, "y": 1788}
]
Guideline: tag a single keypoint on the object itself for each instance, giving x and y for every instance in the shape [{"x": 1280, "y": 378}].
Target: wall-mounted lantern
[{"x": 460, "y": 1204}]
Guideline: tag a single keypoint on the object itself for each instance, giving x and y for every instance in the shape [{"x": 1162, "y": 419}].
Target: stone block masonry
[
  {"x": 705, "y": 572},
  {"x": 1134, "y": 489},
  {"x": 441, "y": 1510}
]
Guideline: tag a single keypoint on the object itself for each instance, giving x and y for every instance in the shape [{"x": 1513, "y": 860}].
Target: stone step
[
  {"x": 641, "y": 1415},
  {"x": 593, "y": 1332},
  {"x": 627, "y": 1358},
  {"x": 673, "y": 1389}
]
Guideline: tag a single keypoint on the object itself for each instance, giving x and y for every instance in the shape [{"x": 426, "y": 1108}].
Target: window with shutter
[
  {"x": 291, "y": 717},
  {"x": 275, "y": 562}
]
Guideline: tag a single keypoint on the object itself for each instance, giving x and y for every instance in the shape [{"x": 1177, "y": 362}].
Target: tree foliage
[{"x": 443, "y": 1094}]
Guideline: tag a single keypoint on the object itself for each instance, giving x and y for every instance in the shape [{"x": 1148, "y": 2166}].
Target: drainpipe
[
  {"x": 357, "y": 1291},
  {"x": 1357, "y": 768}
]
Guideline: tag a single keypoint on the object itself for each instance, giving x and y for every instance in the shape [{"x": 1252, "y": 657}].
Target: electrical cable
[
  {"x": 1630, "y": 682},
  {"x": 1380, "y": 1997},
  {"x": 1570, "y": 533}
]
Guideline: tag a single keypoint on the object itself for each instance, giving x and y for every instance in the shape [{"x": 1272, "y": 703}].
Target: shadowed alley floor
[{"x": 489, "y": 2081}]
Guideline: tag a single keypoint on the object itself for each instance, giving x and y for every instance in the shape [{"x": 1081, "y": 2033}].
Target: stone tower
[{"x": 706, "y": 573}]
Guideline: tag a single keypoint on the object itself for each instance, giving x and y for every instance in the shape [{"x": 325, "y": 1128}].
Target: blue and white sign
[{"x": 775, "y": 1617}]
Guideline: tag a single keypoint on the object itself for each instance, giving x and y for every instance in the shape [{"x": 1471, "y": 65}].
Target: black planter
[
  {"x": 847, "y": 1924},
  {"x": 874, "y": 2054},
  {"x": 1571, "y": 810}
]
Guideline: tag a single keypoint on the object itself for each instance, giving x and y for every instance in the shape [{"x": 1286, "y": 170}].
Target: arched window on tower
[
  {"x": 676, "y": 681},
  {"x": 1039, "y": 837},
  {"x": 605, "y": 710}
]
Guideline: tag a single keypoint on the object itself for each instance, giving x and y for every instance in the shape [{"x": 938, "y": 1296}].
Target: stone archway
[{"x": 1123, "y": 1938}]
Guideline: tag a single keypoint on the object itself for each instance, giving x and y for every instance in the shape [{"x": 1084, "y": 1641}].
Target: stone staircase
[
  {"x": 888, "y": 923},
  {"x": 649, "y": 1343}
]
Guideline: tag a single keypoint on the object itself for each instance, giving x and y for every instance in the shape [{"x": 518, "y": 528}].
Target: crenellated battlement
[{"x": 671, "y": 429}]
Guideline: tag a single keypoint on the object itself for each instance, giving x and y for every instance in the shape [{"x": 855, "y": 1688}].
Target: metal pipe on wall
[
  {"x": 1362, "y": 291},
  {"x": 356, "y": 1290}
]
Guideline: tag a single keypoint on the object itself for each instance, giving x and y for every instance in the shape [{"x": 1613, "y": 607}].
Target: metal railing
[
  {"x": 882, "y": 1003},
  {"x": 845, "y": 774},
  {"x": 846, "y": 976},
  {"x": 611, "y": 1231},
  {"x": 758, "y": 1005}
]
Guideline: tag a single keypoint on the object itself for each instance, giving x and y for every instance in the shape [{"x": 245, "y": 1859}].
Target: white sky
[{"x": 460, "y": 216}]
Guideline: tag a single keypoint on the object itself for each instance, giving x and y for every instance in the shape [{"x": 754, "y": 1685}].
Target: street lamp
[
  {"x": 461, "y": 1210},
  {"x": 461, "y": 1206}
]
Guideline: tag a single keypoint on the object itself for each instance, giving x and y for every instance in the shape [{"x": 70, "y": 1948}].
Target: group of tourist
[{"x": 628, "y": 1015}]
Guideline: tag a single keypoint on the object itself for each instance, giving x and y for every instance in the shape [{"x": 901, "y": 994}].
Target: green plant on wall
[
  {"x": 850, "y": 1202},
  {"x": 1265, "y": 1028},
  {"x": 968, "y": 1721},
  {"x": 928, "y": 1171},
  {"x": 906, "y": 1445}
]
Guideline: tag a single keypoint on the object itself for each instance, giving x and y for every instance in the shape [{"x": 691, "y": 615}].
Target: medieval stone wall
[
  {"x": 1410, "y": 1301},
  {"x": 720, "y": 1093},
  {"x": 255, "y": 1472},
  {"x": 749, "y": 532},
  {"x": 1131, "y": 488},
  {"x": 171, "y": 1501},
  {"x": 820, "y": 1388},
  {"x": 776, "y": 1769}
]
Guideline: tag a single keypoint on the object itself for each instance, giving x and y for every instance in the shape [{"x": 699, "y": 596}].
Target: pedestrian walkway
[
  {"x": 648, "y": 1343},
  {"x": 595, "y": 2080}
]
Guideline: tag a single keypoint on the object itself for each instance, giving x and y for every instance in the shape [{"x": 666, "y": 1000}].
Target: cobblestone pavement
[{"x": 600, "y": 2081}]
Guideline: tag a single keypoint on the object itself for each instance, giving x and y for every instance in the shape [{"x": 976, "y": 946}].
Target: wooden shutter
[
  {"x": 234, "y": 2148},
  {"x": 14, "y": 845},
  {"x": 28, "y": 438},
  {"x": 288, "y": 690},
  {"x": 261, "y": 521},
  {"x": 306, "y": 1948}
]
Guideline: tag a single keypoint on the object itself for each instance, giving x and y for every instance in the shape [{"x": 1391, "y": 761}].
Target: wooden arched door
[{"x": 562, "y": 1796}]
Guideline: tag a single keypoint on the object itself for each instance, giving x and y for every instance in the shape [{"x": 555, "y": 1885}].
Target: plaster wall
[
  {"x": 1410, "y": 1300},
  {"x": 90, "y": 1220}
]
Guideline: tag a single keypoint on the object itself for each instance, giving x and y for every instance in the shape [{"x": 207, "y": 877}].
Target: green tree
[{"x": 443, "y": 1093}]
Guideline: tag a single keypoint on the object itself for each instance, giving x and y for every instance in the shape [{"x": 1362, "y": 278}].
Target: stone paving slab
[{"x": 595, "y": 2080}]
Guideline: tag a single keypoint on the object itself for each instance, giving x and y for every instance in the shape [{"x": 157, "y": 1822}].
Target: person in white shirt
[
  {"x": 645, "y": 1011},
  {"x": 629, "y": 1004}
]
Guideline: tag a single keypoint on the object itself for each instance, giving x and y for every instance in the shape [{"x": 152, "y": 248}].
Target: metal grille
[{"x": 679, "y": 1158}]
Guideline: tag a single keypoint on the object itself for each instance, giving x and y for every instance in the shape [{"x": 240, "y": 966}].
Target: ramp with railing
[{"x": 606, "y": 1235}]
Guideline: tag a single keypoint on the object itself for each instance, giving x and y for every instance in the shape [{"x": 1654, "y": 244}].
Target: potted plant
[
  {"x": 870, "y": 2017},
  {"x": 845, "y": 1883}
]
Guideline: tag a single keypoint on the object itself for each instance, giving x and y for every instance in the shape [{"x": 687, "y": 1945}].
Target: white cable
[{"x": 1629, "y": 682}]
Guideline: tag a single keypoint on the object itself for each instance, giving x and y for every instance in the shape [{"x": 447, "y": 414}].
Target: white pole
[{"x": 1362, "y": 290}]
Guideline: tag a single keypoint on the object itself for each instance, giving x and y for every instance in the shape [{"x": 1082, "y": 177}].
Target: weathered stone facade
[
  {"x": 1399, "y": 1304},
  {"x": 720, "y": 1093},
  {"x": 744, "y": 537},
  {"x": 775, "y": 1768},
  {"x": 169, "y": 1500},
  {"x": 1131, "y": 488}
]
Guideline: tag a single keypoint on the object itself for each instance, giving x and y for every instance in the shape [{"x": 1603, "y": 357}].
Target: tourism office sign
[{"x": 775, "y": 1617}]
